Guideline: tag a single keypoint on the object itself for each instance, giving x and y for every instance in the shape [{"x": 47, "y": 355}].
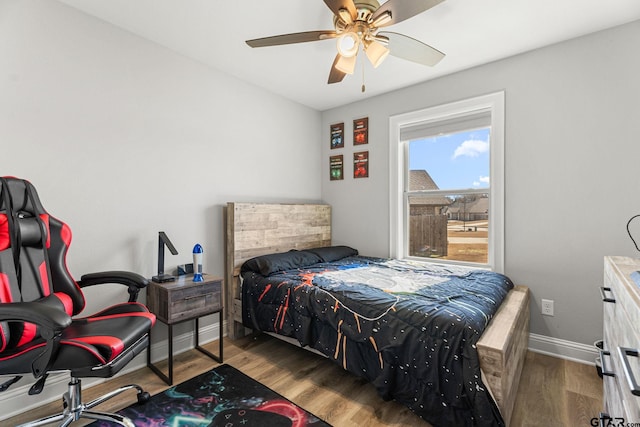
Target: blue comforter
[{"x": 409, "y": 329}]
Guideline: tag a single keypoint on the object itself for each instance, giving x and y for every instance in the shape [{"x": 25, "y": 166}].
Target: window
[{"x": 447, "y": 189}]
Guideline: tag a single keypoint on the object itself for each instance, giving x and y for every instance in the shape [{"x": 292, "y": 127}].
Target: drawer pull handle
[
  {"x": 604, "y": 296},
  {"x": 631, "y": 380},
  {"x": 606, "y": 373},
  {"x": 193, "y": 297}
]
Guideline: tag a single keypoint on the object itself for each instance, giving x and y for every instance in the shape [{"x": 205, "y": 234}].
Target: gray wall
[
  {"x": 572, "y": 170},
  {"x": 123, "y": 138}
]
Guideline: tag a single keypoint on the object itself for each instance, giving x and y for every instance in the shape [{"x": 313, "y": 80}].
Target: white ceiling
[{"x": 470, "y": 32}]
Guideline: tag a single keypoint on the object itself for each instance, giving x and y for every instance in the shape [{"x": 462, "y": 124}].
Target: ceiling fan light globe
[
  {"x": 376, "y": 52},
  {"x": 348, "y": 44},
  {"x": 346, "y": 64}
]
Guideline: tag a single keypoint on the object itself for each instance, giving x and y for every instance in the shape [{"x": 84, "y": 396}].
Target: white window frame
[{"x": 398, "y": 167}]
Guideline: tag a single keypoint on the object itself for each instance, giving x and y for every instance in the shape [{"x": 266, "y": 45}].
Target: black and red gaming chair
[{"x": 39, "y": 299}]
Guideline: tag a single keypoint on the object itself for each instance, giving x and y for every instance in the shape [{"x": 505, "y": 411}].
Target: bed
[{"x": 361, "y": 336}]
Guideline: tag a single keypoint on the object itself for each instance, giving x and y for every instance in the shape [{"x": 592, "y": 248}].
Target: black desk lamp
[{"x": 163, "y": 241}]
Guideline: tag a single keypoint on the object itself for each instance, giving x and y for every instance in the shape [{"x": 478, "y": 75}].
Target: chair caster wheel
[{"x": 143, "y": 397}]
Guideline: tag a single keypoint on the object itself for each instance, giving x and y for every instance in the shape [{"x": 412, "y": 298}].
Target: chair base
[{"x": 74, "y": 409}]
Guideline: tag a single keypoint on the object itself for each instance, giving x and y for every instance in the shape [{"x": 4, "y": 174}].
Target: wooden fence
[{"x": 428, "y": 235}]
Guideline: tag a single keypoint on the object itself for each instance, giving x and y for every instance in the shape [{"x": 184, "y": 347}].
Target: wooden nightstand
[{"x": 182, "y": 300}]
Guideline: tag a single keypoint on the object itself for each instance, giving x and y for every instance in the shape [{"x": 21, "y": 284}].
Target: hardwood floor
[{"x": 553, "y": 392}]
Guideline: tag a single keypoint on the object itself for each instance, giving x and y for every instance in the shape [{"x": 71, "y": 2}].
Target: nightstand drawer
[
  {"x": 194, "y": 301},
  {"x": 184, "y": 299}
]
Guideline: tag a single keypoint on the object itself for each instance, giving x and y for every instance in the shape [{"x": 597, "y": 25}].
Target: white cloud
[
  {"x": 471, "y": 148},
  {"x": 481, "y": 180}
]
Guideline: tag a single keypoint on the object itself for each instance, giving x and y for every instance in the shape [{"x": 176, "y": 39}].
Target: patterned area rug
[{"x": 222, "y": 397}]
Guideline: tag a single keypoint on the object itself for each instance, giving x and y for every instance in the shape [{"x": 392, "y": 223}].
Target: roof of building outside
[{"x": 420, "y": 179}]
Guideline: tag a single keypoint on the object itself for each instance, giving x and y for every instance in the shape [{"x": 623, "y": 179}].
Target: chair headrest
[{"x": 31, "y": 231}]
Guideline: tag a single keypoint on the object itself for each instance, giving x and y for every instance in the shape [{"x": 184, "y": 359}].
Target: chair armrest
[
  {"x": 51, "y": 321},
  {"x": 134, "y": 281},
  {"x": 50, "y": 318}
]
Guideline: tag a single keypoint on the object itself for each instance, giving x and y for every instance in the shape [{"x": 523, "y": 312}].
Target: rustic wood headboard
[{"x": 254, "y": 229}]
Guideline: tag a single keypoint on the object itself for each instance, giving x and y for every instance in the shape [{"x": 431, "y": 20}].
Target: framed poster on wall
[
  {"x": 337, "y": 135},
  {"x": 361, "y": 164},
  {"x": 361, "y": 131},
  {"x": 336, "y": 167}
]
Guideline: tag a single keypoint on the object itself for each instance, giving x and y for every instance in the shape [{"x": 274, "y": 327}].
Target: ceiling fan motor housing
[
  {"x": 361, "y": 25},
  {"x": 365, "y": 10}
]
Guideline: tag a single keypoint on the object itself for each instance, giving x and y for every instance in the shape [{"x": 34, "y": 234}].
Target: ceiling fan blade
[
  {"x": 335, "y": 75},
  {"x": 411, "y": 49},
  {"x": 307, "y": 36},
  {"x": 336, "y": 5},
  {"x": 403, "y": 9}
]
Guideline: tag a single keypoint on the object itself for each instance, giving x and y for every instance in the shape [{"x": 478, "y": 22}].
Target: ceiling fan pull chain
[{"x": 363, "y": 88}]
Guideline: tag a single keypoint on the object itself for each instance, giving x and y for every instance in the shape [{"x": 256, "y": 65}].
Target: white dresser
[{"x": 620, "y": 358}]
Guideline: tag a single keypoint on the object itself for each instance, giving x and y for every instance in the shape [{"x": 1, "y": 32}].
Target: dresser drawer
[
  {"x": 611, "y": 375},
  {"x": 613, "y": 405},
  {"x": 184, "y": 299},
  {"x": 630, "y": 402}
]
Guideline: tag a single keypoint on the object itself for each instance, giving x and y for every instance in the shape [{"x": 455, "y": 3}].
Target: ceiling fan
[{"x": 357, "y": 24}]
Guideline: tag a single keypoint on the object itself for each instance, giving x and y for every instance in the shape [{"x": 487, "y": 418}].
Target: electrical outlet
[{"x": 547, "y": 307}]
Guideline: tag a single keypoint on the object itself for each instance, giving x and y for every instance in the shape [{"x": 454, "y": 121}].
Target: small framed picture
[
  {"x": 337, "y": 135},
  {"x": 336, "y": 167},
  {"x": 361, "y": 131},
  {"x": 361, "y": 164}
]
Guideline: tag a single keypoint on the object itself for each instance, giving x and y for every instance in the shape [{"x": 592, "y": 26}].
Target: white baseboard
[
  {"x": 563, "y": 349},
  {"x": 16, "y": 400}
]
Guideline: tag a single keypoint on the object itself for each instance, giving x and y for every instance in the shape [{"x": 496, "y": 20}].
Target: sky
[{"x": 454, "y": 161}]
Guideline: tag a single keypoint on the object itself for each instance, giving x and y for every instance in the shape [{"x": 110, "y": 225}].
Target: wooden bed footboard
[
  {"x": 502, "y": 349},
  {"x": 254, "y": 229}
]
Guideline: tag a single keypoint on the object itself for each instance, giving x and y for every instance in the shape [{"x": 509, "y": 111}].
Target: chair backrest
[{"x": 33, "y": 248}]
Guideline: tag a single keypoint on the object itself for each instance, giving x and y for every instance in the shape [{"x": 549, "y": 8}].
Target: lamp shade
[
  {"x": 346, "y": 64},
  {"x": 376, "y": 52}
]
